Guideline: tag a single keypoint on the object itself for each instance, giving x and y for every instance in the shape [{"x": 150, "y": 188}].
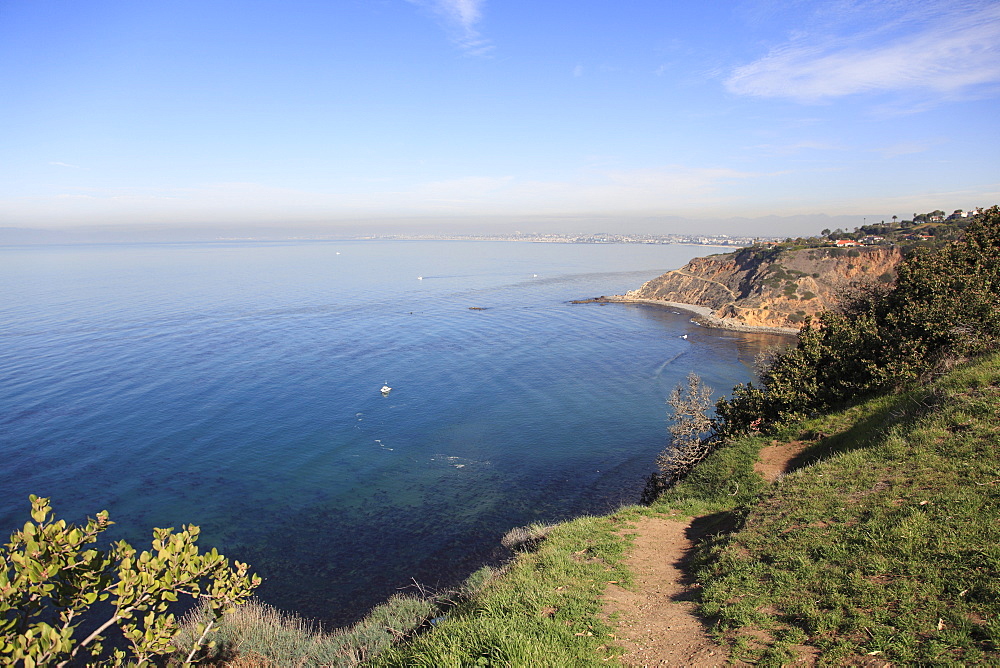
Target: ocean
[{"x": 235, "y": 386}]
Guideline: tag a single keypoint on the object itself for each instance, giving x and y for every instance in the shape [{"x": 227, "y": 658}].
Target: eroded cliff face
[{"x": 772, "y": 287}]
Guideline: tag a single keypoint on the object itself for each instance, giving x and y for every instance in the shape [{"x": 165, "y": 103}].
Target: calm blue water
[{"x": 236, "y": 386}]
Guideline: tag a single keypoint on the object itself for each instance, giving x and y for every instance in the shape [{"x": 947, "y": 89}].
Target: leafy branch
[{"x": 50, "y": 581}]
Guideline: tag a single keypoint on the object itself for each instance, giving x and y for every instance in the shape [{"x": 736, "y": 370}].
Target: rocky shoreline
[{"x": 703, "y": 314}]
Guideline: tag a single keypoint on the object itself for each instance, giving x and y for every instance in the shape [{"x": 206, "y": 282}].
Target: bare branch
[{"x": 691, "y": 433}]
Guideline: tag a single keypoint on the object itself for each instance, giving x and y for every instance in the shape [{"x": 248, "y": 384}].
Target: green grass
[
  {"x": 885, "y": 543},
  {"x": 542, "y": 611}
]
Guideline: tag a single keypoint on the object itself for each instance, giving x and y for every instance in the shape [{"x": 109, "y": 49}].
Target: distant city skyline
[{"x": 747, "y": 117}]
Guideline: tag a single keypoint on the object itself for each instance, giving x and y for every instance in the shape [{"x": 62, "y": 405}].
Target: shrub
[
  {"x": 258, "y": 634},
  {"x": 526, "y": 537},
  {"x": 943, "y": 306},
  {"x": 50, "y": 581},
  {"x": 945, "y": 300}
]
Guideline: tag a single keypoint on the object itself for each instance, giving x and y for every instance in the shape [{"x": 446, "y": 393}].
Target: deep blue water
[{"x": 236, "y": 386}]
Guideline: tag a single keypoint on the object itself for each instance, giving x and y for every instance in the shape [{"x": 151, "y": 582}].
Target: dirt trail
[
  {"x": 775, "y": 460},
  {"x": 656, "y": 622}
]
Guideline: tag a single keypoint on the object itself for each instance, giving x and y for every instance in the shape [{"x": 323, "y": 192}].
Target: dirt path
[
  {"x": 656, "y": 622},
  {"x": 681, "y": 272},
  {"x": 776, "y": 459}
]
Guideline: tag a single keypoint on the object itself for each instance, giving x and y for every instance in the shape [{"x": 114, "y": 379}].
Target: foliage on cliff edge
[{"x": 942, "y": 308}]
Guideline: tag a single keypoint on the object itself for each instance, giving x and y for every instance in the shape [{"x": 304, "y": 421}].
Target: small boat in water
[{"x": 385, "y": 390}]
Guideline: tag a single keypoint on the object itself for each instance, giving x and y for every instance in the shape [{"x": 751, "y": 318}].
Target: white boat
[{"x": 386, "y": 389}]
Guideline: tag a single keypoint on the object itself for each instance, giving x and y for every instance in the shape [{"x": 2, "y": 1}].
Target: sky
[{"x": 650, "y": 115}]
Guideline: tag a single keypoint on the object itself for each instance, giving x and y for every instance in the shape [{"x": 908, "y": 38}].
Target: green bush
[
  {"x": 50, "y": 581},
  {"x": 942, "y": 307}
]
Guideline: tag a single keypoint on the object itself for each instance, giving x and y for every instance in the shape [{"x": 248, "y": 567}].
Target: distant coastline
[
  {"x": 23, "y": 236},
  {"x": 703, "y": 314}
]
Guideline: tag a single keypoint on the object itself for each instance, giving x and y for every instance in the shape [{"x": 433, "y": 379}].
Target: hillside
[
  {"x": 778, "y": 285},
  {"x": 770, "y": 287},
  {"x": 878, "y": 538}
]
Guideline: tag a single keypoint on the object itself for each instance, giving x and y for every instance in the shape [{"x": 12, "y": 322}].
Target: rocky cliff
[{"x": 770, "y": 287}]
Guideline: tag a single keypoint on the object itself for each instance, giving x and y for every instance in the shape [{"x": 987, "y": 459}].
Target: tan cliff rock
[{"x": 770, "y": 287}]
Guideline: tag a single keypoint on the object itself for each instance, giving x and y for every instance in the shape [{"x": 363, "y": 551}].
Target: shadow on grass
[
  {"x": 714, "y": 524},
  {"x": 868, "y": 431}
]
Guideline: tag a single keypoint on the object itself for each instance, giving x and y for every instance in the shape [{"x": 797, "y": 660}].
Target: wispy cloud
[
  {"x": 950, "y": 54},
  {"x": 57, "y": 163},
  {"x": 461, "y": 18},
  {"x": 461, "y": 191},
  {"x": 795, "y": 148},
  {"x": 673, "y": 187},
  {"x": 903, "y": 148}
]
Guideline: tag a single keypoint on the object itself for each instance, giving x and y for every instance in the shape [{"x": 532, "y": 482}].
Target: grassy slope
[
  {"x": 542, "y": 611},
  {"x": 887, "y": 544},
  {"x": 884, "y": 543}
]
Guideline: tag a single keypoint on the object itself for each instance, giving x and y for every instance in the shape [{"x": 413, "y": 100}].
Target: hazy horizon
[{"x": 765, "y": 226}]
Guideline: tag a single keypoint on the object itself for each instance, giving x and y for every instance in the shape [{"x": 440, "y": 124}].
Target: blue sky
[{"x": 596, "y": 113}]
